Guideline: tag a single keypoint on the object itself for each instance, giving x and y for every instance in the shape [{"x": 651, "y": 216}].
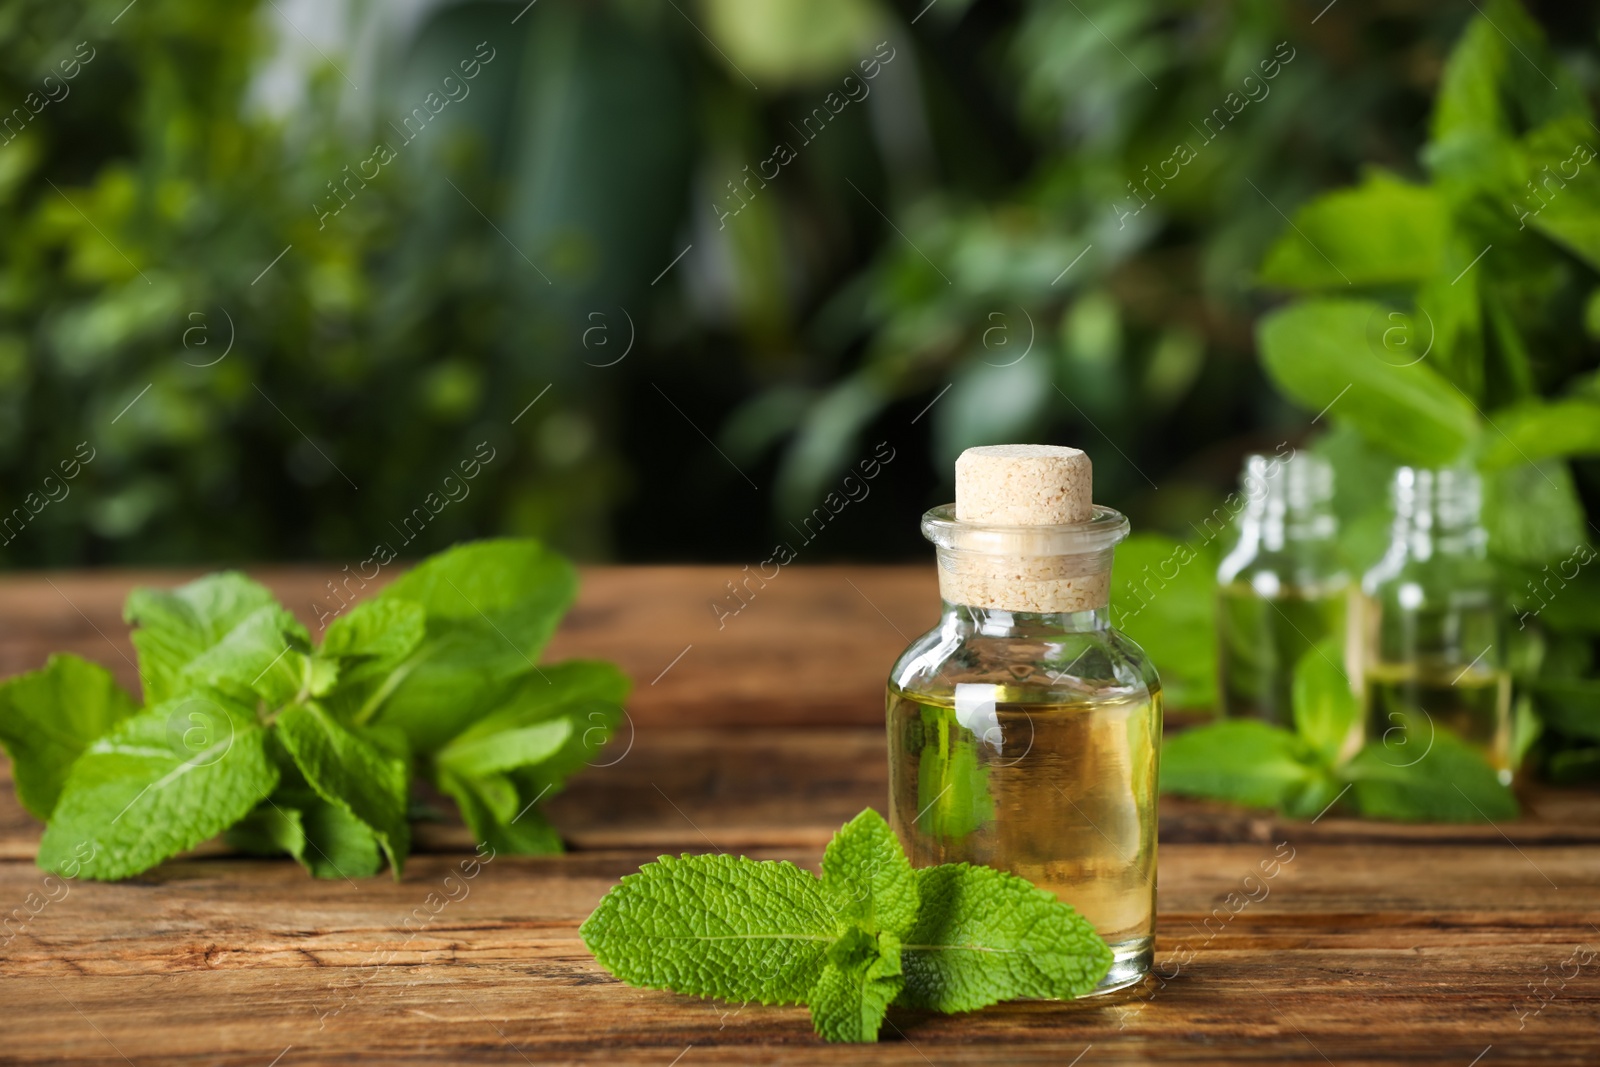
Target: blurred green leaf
[
  {"x": 1163, "y": 596},
  {"x": 1450, "y": 782},
  {"x": 1563, "y": 168},
  {"x": 1362, "y": 473},
  {"x": 1495, "y": 82},
  {"x": 1327, "y": 354},
  {"x": 1239, "y": 760},
  {"x": 1325, "y": 710},
  {"x": 1574, "y": 766},
  {"x": 48, "y": 717},
  {"x": 1571, "y": 705},
  {"x": 1539, "y": 430},
  {"x": 1533, "y": 513},
  {"x": 827, "y": 442},
  {"x": 1381, "y": 232},
  {"x": 1526, "y": 729}
]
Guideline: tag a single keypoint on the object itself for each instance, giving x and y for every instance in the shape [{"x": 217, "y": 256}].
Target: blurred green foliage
[
  {"x": 1447, "y": 320},
  {"x": 970, "y": 197},
  {"x": 1473, "y": 346}
]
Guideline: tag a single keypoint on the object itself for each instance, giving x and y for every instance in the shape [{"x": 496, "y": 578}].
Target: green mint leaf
[
  {"x": 1572, "y": 220},
  {"x": 386, "y": 630},
  {"x": 952, "y": 783},
  {"x": 324, "y": 838},
  {"x": 264, "y": 655},
  {"x": 1432, "y": 776},
  {"x": 1483, "y": 92},
  {"x": 1326, "y": 712},
  {"x": 1540, "y": 429},
  {"x": 502, "y": 814},
  {"x": 1534, "y": 515},
  {"x": 1381, "y": 232},
  {"x": 368, "y": 645},
  {"x": 1163, "y": 597},
  {"x": 270, "y": 830},
  {"x": 1241, "y": 760},
  {"x": 321, "y": 676},
  {"x": 983, "y": 936},
  {"x": 716, "y": 926},
  {"x": 49, "y": 716},
  {"x": 162, "y": 781},
  {"x": 347, "y": 770},
  {"x": 520, "y": 754},
  {"x": 338, "y": 845},
  {"x": 491, "y": 606},
  {"x": 587, "y": 694},
  {"x": 176, "y": 625},
  {"x": 867, "y": 878},
  {"x": 504, "y": 750},
  {"x": 1319, "y": 350},
  {"x": 855, "y": 989}
]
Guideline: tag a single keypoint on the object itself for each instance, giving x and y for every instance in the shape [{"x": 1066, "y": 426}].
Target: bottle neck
[
  {"x": 1057, "y": 573},
  {"x": 1287, "y": 503},
  {"x": 1026, "y": 584},
  {"x": 1438, "y": 513},
  {"x": 1278, "y": 531},
  {"x": 996, "y": 622}
]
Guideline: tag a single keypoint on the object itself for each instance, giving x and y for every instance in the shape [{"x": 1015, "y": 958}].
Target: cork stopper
[
  {"x": 988, "y": 555},
  {"x": 1024, "y": 485}
]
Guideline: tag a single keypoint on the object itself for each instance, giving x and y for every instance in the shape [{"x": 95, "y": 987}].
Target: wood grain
[
  {"x": 813, "y": 647},
  {"x": 1372, "y": 944}
]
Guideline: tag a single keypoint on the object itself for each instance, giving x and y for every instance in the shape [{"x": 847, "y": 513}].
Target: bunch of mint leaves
[
  {"x": 869, "y": 933},
  {"x": 1415, "y": 770},
  {"x": 309, "y": 749}
]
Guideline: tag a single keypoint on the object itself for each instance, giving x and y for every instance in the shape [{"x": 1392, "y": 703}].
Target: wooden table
[{"x": 1372, "y": 944}]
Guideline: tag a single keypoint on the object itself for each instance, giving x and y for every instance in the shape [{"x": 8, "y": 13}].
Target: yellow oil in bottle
[
  {"x": 1062, "y": 794},
  {"x": 1474, "y": 704}
]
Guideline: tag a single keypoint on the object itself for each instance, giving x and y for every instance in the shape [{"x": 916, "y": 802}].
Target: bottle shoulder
[
  {"x": 1069, "y": 666},
  {"x": 1296, "y": 567},
  {"x": 1435, "y": 576}
]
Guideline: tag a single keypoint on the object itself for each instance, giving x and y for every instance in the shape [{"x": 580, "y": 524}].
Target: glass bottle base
[{"x": 1130, "y": 962}]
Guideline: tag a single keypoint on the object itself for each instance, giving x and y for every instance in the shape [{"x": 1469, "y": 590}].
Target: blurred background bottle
[
  {"x": 1434, "y": 645},
  {"x": 1282, "y": 589}
]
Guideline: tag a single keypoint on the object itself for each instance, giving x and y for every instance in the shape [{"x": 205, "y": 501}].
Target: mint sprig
[
  {"x": 869, "y": 933},
  {"x": 1419, "y": 772},
  {"x": 251, "y": 727}
]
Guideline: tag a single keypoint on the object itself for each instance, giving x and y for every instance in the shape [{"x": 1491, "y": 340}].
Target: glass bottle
[
  {"x": 1024, "y": 730},
  {"x": 1434, "y": 644},
  {"x": 1281, "y": 588}
]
